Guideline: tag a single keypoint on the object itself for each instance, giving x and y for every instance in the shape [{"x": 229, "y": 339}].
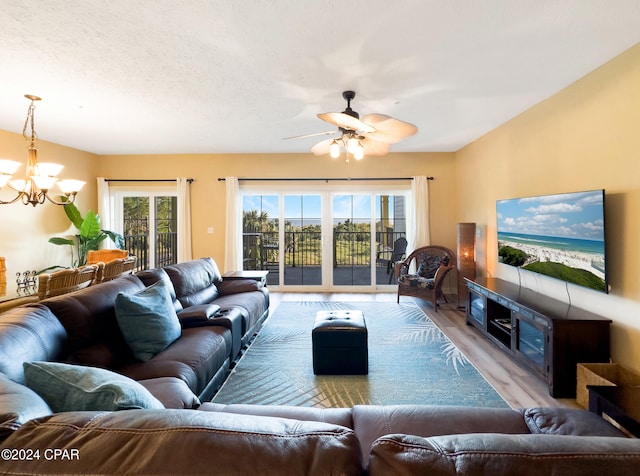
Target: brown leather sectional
[
  {"x": 274, "y": 440},
  {"x": 217, "y": 318},
  {"x": 190, "y": 437}
]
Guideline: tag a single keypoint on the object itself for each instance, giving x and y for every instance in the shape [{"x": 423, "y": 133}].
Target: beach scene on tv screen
[{"x": 561, "y": 236}]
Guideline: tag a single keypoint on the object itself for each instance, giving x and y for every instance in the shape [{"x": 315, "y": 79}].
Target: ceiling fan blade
[
  {"x": 346, "y": 121},
  {"x": 314, "y": 134},
  {"x": 322, "y": 148},
  {"x": 389, "y": 129},
  {"x": 372, "y": 147}
]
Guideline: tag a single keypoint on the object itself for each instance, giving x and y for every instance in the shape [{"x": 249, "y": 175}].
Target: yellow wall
[
  {"x": 208, "y": 194},
  {"x": 24, "y": 230},
  {"x": 585, "y": 137}
]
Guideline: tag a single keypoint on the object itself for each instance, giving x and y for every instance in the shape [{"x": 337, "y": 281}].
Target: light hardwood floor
[{"x": 519, "y": 386}]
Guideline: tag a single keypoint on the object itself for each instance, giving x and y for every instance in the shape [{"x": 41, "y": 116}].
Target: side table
[
  {"x": 257, "y": 275},
  {"x": 620, "y": 403}
]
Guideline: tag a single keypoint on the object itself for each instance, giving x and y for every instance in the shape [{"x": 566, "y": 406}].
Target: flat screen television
[{"x": 562, "y": 236}]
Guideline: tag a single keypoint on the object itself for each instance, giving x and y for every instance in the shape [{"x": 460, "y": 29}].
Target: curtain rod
[
  {"x": 326, "y": 179},
  {"x": 190, "y": 180}
]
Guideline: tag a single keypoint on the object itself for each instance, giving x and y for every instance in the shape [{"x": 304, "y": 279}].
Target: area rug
[{"x": 410, "y": 362}]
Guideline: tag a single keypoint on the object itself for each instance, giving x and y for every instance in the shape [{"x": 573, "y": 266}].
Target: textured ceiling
[{"x": 223, "y": 76}]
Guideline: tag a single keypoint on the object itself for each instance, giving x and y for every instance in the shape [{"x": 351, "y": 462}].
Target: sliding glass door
[
  {"x": 148, "y": 222},
  {"x": 351, "y": 240},
  {"x": 390, "y": 235},
  {"x": 303, "y": 253},
  {"x": 324, "y": 240}
]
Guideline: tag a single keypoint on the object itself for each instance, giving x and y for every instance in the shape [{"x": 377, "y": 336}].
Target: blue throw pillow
[
  {"x": 148, "y": 320},
  {"x": 67, "y": 387},
  {"x": 19, "y": 404}
]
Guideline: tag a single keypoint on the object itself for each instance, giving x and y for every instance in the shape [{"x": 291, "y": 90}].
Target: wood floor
[{"x": 519, "y": 386}]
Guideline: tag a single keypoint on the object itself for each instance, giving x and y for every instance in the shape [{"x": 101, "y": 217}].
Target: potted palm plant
[{"x": 90, "y": 235}]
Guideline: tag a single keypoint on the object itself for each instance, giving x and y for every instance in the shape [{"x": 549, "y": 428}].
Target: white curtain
[
  {"x": 232, "y": 260},
  {"x": 104, "y": 210},
  {"x": 421, "y": 232},
  {"x": 184, "y": 220}
]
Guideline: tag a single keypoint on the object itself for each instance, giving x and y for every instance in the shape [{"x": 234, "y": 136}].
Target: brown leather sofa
[
  {"x": 272, "y": 440},
  {"x": 81, "y": 328},
  {"x": 192, "y": 438}
]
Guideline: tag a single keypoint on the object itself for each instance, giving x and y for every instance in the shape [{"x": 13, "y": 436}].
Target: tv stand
[{"x": 547, "y": 335}]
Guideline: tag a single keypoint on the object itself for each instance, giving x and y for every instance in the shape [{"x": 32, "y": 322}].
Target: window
[
  {"x": 322, "y": 238},
  {"x": 148, "y": 220}
]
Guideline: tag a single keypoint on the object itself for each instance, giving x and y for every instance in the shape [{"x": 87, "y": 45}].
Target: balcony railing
[
  {"x": 166, "y": 251},
  {"x": 261, "y": 250}
]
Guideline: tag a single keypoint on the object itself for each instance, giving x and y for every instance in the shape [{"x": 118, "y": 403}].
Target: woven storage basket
[{"x": 601, "y": 374}]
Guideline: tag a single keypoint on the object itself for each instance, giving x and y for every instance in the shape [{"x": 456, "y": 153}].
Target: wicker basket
[{"x": 601, "y": 374}]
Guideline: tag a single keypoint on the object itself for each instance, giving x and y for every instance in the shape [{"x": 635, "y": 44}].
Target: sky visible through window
[{"x": 309, "y": 206}]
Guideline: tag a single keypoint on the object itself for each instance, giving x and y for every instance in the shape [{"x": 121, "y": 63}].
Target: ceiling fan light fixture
[
  {"x": 334, "y": 149},
  {"x": 352, "y": 144},
  {"x": 358, "y": 153},
  {"x": 379, "y": 131}
]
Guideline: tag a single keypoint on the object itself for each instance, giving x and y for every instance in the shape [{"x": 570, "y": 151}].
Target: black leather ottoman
[{"x": 339, "y": 341}]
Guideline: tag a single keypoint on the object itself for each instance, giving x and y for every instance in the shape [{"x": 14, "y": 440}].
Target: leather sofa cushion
[
  {"x": 89, "y": 318},
  {"x": 253, "y": 305},
  {"x": 235, "y": 286},
  {"x": 524, "y": 455},
  {"x": 18, "y": 405},
  {"x": 568, "y": 421},
  {"x": 195, "y": 281},
  {"x": 29, "y": 333},
  {"x": 194, "y": 358},
  {"x": 172, "y": 392},
  {"x": 336, "y": 416},
  {"x": 175, "y": 441},
  {"x": 373, "y": 421},
  {"x": 79, "y": 388}
]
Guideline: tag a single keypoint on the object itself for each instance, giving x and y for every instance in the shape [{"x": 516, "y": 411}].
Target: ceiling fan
[{"x": 371, "y": 135}]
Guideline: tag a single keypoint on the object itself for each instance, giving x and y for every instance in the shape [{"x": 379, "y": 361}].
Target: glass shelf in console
[
  {"x": 476, "y": 307},
  {"x": 530, "y": 342}
]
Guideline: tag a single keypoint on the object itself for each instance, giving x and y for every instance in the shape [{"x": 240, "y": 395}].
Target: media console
[{"x": 549, "y": 336}]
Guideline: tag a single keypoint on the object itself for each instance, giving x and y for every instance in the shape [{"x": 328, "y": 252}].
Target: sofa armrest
[
  {"x": 235, "y": 286},
  {"x": 195, "y": 316},
  {"x": 212, "y": 315},
  {"x": 172, "y": 392},
  {"x": 567, "y": 421},
  {"x": 504, "y": 454},
  {"x": 373, "y": 421}
]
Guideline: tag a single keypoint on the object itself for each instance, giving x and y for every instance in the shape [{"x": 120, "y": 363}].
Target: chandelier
[
  {"x": 39, "y": 177},
  {"x": 350, "y": 141}
]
